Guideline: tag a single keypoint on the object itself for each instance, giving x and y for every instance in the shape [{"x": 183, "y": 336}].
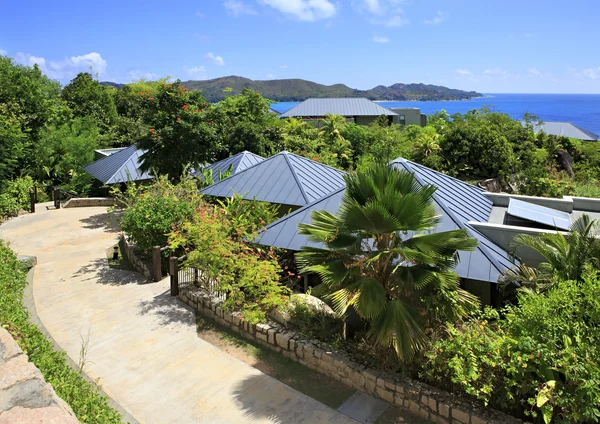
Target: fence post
[
  {"x": 56, "y": 198},
  {"x": 156, "y": 263},
  {"x": 32, "y": 200},
  {"x": 174, "y": 272}
]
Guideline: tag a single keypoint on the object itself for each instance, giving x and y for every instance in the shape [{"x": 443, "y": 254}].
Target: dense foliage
[
  {"x": 215, "y": 242},
  {"x": 539, "y": 360},
  {"x": 83, "y": 397},
  {"x": 153, "y": 211},
  {"x": 15, "y": 197},
  {"x": 400, "y": 285},
  {"x": 49, "y": 133}
]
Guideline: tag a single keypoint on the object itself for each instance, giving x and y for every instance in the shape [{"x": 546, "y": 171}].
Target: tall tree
[
  {"x": 182, "y": 133},
  {"x": 88, "y": 98},
  {"x": 398, "y": 283},
  {"x": 246, "y": 123}
]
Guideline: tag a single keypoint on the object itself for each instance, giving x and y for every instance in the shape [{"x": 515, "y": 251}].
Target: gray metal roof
[
  {"x": 284, "y": 178},
  {"x": 238, "y": 162},
  {"x": 119, "y": 167},
  {"x": 457, "y": 202},
  {"x": 108, "y": 152},
  {"x": 565, "y": 129},
  {"x": 342, "y": 107}
]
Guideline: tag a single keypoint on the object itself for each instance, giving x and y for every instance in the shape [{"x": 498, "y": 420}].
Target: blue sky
[{"x": 512, "y": 46}]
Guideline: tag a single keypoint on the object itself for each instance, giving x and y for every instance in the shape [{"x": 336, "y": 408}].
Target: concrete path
[{"x": 142, "y": 343}]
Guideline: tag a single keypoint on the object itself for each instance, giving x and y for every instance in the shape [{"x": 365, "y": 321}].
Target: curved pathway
[{"x": 141, "y": 343}]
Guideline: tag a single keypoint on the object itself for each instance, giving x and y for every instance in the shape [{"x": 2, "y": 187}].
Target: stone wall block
[{"x": 460, "y": 416}]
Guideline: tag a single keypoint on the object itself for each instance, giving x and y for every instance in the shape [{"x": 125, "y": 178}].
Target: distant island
[{"x": 294, "y": 90}]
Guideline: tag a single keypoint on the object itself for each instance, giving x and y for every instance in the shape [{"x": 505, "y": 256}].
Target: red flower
[
  {"x": 185, "y": 107},
  {"x": 152, "y": 130},
  {"x": 178, "y": 119},
  {"x": 151, "y": 98}
]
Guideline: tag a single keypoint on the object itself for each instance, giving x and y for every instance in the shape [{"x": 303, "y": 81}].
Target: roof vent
[{"x": 525, "y": 214}]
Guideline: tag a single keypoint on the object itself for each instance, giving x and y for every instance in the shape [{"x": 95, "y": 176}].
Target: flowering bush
[
  {"x": 218, "y": 249},
  {"x": 539, "y": 361}
]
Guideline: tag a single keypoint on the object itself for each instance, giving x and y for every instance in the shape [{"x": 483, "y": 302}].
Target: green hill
[{"x": 289, "y": 90}]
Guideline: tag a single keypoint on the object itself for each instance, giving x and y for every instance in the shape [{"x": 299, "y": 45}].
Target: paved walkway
[{"x": 143, "y": 347}]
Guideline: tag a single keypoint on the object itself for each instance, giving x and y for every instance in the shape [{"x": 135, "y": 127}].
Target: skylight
[{"x": 538, "y": 214}]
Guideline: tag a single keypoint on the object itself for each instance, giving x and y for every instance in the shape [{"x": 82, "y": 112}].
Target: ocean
[{"x": 580, "y": 109}]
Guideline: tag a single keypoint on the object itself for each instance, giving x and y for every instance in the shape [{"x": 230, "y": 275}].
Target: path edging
[
  {"x": 29, "y": 303},
  {"x": 417, "y": 398}
]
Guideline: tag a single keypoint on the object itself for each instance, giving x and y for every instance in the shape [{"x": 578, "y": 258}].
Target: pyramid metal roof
[
  {"x": 343, "y": 107},
  {"x": 457, "y": 202},
  {"x": 119, "y": 167},
  {"x": 284, "y": 178},
  {"x": 238, "y": 163}
]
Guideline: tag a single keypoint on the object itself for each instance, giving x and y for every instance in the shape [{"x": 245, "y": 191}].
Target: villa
[
  {"x": 361, "y": 111},
  {"x": 118, "y": 166},
  {"x": 493, "y": 219},
  {"x": 565, "y": 129}
]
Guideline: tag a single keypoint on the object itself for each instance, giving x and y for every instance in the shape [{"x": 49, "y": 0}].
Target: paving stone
[
  {"x": 48, "y": 415},
  {"x": 363, "y": 408}
]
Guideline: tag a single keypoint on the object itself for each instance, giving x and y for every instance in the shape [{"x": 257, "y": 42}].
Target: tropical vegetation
[{"x": 401, "y": 285}]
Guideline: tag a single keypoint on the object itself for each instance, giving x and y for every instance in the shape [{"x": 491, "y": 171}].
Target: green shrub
[
  {"x": 84, "y": 397},
  {"x": 249, "y": 279},
  {"x": 15, "y": 197},
  {"x": 539, "y": 361},
  {"x": 154, "y": 210}
]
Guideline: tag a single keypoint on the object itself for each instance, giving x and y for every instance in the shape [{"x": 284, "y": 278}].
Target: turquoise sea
[{"x": 579, "y": 109}]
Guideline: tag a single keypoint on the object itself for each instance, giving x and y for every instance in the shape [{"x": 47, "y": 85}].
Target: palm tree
[
  {"x": 427, "y": 142},
  {"x": 566, "y": 255},
  {"x": 382, "y": 258}
]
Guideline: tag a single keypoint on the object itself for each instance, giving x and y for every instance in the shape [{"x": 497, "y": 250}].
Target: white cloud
[
  {"x": 465, "y": 72},
  {"x": 200, "y": 15},
  {"x": 138, "y": 75},
  {"x": 217, "y": 60},
  {"x": 304, "y": 10},
  {"x": 534, "y": 71},
  {"x": 237, "y": 8},
  {"x": 67, "y": 68},
  {"x": 381, "y": 39},
  {"x": 437, "y": 19},
  {"x": 395, "y": 21},
  {"x": 382, "y": 12},
  {"x": 591, "y": 73},
  {"x": 495, "y": 71},
  {"x": 373, "y": 6},
  {"x": 283, "y": 66},
  {"x": 269, "y": 76},
  {"x": 196, "y": 72},
  {"x": 3, "y": 52}
]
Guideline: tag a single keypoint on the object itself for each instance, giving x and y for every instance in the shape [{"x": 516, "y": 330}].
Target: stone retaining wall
[
  {"x": 138, "y": 264},
  {"x": 25, "y": 397},
  {"x": 82, "y": 202},
  {"x": 420, "y": 399}
]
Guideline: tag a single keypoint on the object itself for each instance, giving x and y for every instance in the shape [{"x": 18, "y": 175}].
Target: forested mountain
[{"x": 298, "y": 89}]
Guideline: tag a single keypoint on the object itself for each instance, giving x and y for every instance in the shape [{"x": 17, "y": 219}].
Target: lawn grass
[{"x": 310, "y": 382}]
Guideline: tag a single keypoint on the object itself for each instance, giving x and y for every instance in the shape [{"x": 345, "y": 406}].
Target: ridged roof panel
[
  {"x": 119, "y": 167},
  {"x": 342, "y": 107},
  {"x": 284, "y": 178}
]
